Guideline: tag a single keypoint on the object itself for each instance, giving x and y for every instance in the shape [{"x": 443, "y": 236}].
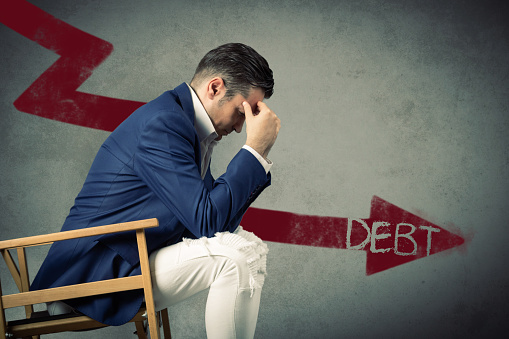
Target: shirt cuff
[{"x": 267, "y": 164}]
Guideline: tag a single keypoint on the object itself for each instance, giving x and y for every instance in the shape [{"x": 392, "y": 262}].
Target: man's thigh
[
  {"x": 183, "y": 269},
  {"x": 180, "y": 271}
]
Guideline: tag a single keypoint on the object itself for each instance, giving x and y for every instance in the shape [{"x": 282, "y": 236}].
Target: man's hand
[{"x": 262, "y": 128}]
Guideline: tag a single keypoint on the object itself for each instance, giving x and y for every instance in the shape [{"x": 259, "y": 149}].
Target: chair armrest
[{"x": 80, "y": 233}]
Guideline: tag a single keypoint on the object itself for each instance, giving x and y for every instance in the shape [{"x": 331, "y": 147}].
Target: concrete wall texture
[{"x": 407, "y": 100}]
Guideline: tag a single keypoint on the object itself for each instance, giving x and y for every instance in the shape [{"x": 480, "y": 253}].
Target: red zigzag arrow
[
  {"x": 391, "y": 236},
  {"x": 53, "y": 95}
]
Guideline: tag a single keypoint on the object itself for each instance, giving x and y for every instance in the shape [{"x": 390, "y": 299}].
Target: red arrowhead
[
  {"x": 440, "y": 240},
  {"x": 334, "y": 232},
  {"x": 53, "y": 95}
]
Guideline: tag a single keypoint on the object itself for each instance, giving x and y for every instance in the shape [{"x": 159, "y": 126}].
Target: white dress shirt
[{"x": 207, "y": 135}]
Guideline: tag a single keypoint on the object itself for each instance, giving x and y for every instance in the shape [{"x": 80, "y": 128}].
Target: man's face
[{"x": 228, "y": 115}]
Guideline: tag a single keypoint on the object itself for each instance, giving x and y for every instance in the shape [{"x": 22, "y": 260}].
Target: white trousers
[{"x": 232, "y": 265}]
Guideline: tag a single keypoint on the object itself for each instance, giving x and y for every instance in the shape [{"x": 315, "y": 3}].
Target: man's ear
[{"x": 215, "y": 88}]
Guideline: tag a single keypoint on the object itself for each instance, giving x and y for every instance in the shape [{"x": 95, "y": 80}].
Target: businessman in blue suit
[{"x": 157, "y": 164}]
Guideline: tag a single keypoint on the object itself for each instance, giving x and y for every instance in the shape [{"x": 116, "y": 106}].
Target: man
[{"x": 157, "y": 164}]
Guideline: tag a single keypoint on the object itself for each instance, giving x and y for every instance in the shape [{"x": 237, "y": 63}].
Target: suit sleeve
[{"x": 166, "y": 160}]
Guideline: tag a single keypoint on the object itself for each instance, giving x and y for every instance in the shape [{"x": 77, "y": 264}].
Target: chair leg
[
  {"x": 140, "y": 330},
  {"x": 147, "y": 285},
  {"x": 166, "y": 324},
  {"x": 3, "y": 320}
]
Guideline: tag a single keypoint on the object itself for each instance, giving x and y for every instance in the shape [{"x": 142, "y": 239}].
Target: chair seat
[
  {"x": 41, "y": 317},
  {"x": 43, "y": 323}
]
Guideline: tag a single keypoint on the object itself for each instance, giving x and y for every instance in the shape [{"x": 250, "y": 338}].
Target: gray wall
[{"x": 407, "y": 100}]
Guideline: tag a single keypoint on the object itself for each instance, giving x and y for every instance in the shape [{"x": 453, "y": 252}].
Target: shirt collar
[{"x": 202, "y": 122}]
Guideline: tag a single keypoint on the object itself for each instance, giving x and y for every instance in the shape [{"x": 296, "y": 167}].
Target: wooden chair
[{"x": 36, "y": 323}]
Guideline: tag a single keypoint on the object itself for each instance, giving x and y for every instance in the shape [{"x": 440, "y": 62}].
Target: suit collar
[
  {"x": 184, "y": 96},
  {"x": 202, "y": 123}
]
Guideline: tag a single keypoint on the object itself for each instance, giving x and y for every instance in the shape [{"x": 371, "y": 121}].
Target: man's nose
[{"x": 238, "y": 125}]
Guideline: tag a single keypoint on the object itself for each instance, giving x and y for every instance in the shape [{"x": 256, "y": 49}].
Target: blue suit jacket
[{"x": 148, "y": 167}]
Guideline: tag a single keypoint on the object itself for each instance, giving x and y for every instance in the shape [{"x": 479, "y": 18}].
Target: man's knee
[
  {"x": 246, "y": 252},
  {"x": 250, "y": 263}
]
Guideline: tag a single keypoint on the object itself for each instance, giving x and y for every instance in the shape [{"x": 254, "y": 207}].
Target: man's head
[
  {"x": 227, "y": 76},
  {"x": 240, "y": 67}
]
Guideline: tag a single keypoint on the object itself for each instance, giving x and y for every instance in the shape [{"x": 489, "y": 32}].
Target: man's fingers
[
  {"x": 261, "y": 105},
  {"x": 261, "y": 108},
  {"x": 262, "y": 127},
  {"x": 247, "y": 109}
]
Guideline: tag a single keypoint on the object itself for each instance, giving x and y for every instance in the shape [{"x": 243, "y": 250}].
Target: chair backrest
[{"x": 28, "y": 298}]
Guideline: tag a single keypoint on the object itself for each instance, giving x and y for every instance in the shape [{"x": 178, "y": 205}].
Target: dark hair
[{"x": 240, "y": 67}]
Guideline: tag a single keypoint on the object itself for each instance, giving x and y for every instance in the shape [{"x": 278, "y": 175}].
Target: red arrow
[
  {"x": 391, "y": 235},
  {"x": 53, "y": 95}
]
